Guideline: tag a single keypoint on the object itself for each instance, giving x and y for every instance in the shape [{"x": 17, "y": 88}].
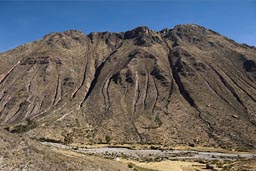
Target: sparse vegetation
[
  {"x": 22, "y": 127},
  {"x": 138, "y": 168},
  {"x": 107, "y": 139}
]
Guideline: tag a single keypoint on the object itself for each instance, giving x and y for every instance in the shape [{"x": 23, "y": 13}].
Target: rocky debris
[{"x": 153, "y": 153}]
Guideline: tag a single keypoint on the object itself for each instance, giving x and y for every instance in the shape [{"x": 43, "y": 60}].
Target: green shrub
[{"x": 107, "y": 139}]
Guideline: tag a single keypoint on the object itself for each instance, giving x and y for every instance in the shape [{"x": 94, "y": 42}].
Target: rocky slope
[
  {"x": 186, "y": 85},
  {"x": 22, "y": 154}
]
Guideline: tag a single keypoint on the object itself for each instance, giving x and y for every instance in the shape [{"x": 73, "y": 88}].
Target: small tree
[{"x": 107, "y": 139}]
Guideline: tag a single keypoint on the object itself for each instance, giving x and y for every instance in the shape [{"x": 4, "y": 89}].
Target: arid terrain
[
  {"x": 187, "y": 86},
  {"x": 20, "y": 153}
]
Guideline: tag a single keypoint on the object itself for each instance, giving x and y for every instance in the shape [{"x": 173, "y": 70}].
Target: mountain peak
[{"x": 136, "y": 32}]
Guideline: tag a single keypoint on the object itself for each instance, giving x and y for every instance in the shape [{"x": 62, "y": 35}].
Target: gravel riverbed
[{"x": 153, "y": 155}]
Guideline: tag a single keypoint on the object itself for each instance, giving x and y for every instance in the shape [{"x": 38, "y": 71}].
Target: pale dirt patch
[{"x": 169, "y": 165}]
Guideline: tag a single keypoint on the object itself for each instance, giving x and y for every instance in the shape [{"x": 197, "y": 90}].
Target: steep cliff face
[{"x": 177, "y": 86}]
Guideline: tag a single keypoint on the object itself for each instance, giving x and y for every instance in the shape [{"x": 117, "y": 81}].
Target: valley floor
[
  {"x": 165, "y": 160},
  {"x": 20, "y": 153}
]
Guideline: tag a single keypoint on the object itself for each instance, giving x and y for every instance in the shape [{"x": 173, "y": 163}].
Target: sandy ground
[{"x": 169, "y": 165}]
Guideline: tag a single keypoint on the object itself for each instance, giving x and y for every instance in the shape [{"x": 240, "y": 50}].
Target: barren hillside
[{"x": 187, "y": 85}]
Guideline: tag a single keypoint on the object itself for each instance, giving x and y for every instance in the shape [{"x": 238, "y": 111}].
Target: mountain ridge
[{"x": 186, "y": 85}]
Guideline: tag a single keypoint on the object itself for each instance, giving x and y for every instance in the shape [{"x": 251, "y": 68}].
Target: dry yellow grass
[
  {"x": 98, "y": 161},
  {"x": 168, "y": 165}
]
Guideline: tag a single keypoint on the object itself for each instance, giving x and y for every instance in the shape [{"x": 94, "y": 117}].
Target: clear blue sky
[{"x": 26, "y": 21}]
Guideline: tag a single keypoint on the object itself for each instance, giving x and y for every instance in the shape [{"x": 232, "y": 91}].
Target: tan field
[{"x": 167, "y": 165}]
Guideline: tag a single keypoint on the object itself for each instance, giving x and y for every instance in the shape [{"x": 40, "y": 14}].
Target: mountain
[{"x": 188, "y": 85}]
